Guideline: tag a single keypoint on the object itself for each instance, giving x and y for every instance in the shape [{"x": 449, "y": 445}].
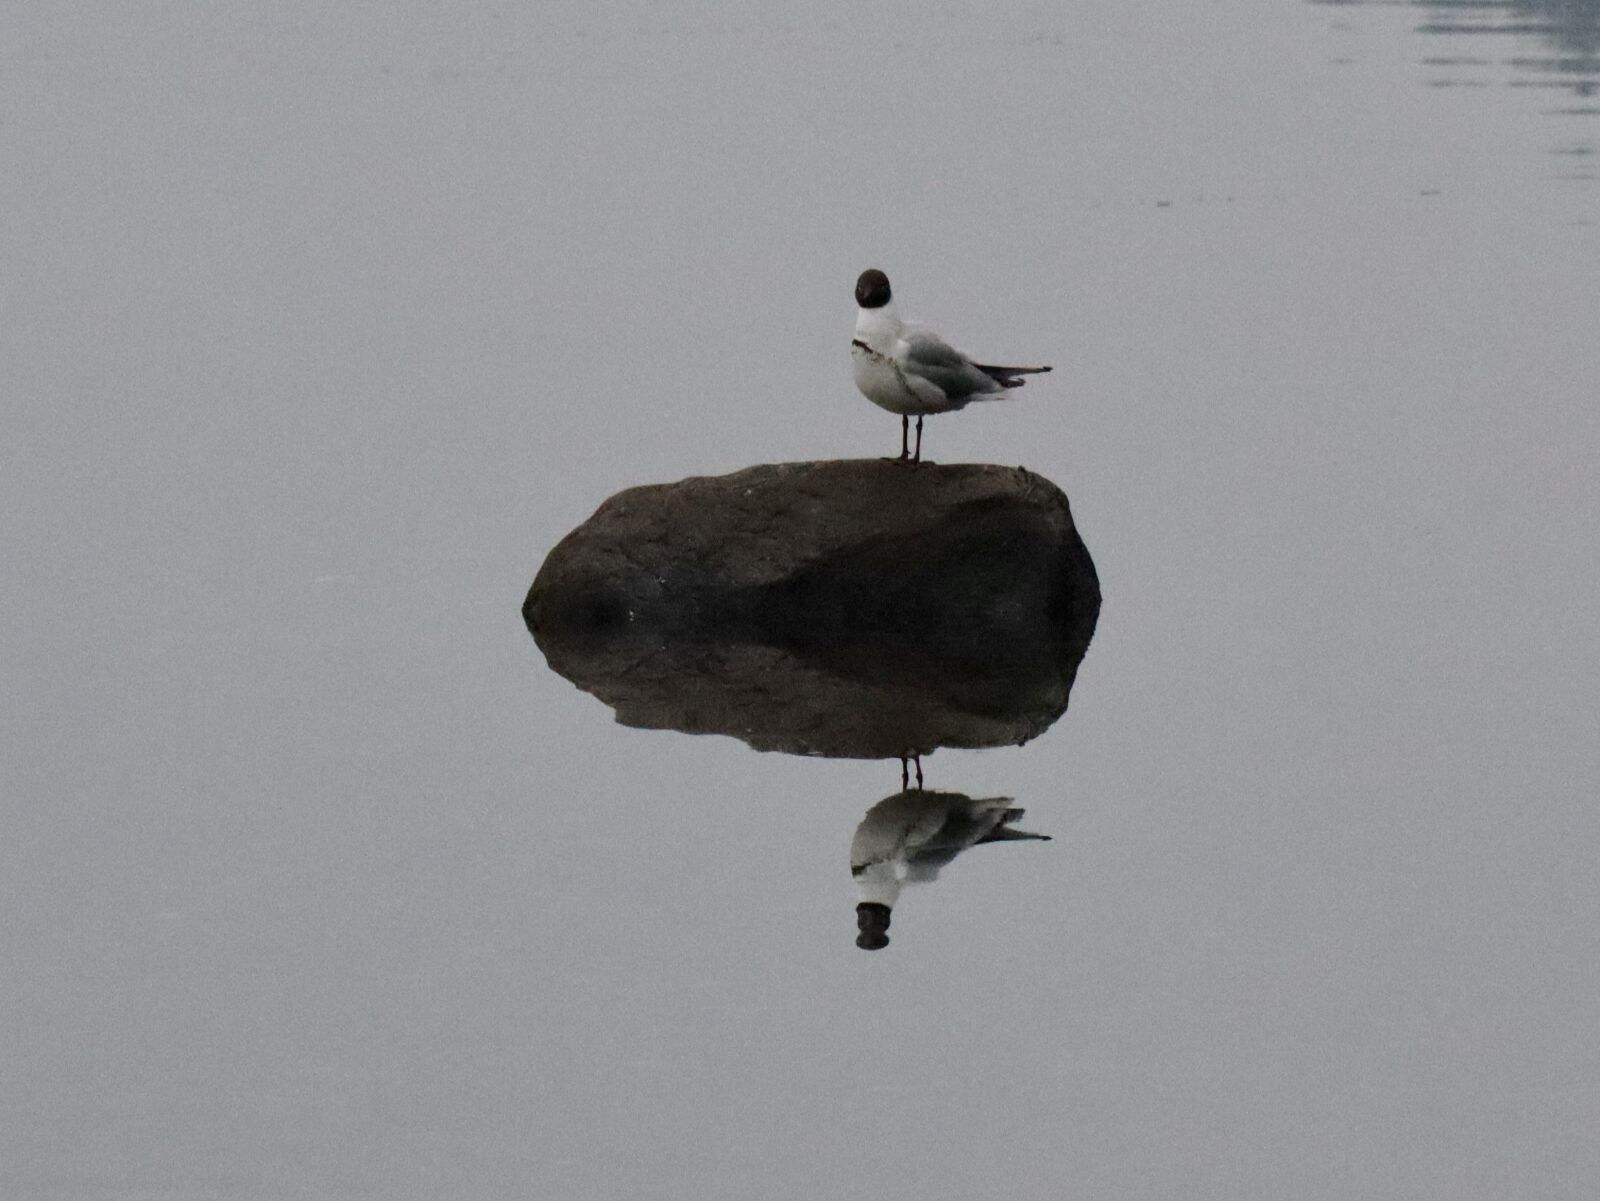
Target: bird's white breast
[
  {"x": 882, "y": 384},
  {"x": 873, "y": 358}
]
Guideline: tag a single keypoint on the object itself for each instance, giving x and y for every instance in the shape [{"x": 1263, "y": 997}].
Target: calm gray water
[{"x": 322, "y": 324}]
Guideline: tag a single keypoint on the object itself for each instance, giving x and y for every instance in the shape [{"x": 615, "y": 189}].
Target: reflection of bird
[
  {"x": 908, "y": 837},
  {"x": 912, "y": 371}
]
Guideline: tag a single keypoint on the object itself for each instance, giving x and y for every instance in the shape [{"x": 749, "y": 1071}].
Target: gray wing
[
  {"x": 963, "y": 827},
  {"x": 935, "y": 360}
]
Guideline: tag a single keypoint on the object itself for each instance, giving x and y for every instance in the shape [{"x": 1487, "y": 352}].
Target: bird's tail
[{"x": 1008, "y": 377}]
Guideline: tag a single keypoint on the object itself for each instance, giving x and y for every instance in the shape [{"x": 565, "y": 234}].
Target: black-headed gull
[{"x": 911, "y": 370}]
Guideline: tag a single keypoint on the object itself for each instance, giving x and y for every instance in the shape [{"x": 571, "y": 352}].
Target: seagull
[
  {"x": 906, "y": 838},
  {"x": 911, "y": 370}
]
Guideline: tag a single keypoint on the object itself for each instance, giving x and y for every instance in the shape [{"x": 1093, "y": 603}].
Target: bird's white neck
[{"x": 877, "y": 327}]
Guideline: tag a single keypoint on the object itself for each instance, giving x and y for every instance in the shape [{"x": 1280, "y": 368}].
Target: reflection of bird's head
[
  {"x": 872, "y": 289},
  {"x": 873, "y": 921}
]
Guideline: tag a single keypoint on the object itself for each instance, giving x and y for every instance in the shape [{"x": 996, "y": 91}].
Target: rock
[{"x": 858, "y": 609}]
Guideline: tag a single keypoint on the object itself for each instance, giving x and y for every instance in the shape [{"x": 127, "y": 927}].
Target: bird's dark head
[
  {"x": 872, "y": 289},
  {"x": 872, "y": 920}
]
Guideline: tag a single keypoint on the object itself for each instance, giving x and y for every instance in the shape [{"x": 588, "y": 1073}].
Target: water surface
[{"x": 322, "y": 325}]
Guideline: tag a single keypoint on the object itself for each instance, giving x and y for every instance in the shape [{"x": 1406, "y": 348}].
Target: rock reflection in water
[
  {"x": 847, "y": 609},
  {"x": 908, "y": 837}
]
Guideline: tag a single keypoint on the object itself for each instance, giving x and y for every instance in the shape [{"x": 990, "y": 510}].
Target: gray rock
[{"x": 859, "y": 609}]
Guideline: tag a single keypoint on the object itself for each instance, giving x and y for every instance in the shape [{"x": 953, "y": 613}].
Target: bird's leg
[
  {"x": 905, "y": 774},
  {"x": 917, "y": 759},
  {"x": 917, "y": 458},
  {"x": 905, "y": 437}
]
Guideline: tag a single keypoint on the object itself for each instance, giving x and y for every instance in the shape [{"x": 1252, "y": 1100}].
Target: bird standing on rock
[{"x": 911, "y": 370}]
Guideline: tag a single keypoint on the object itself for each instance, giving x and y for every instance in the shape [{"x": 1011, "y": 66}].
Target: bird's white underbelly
[{"x": 886, "y": 386}]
